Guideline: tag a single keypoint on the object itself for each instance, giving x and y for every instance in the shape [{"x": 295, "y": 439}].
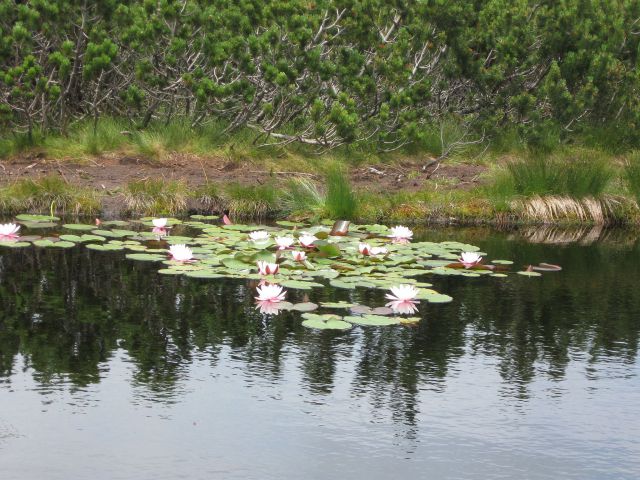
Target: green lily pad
[
  {"x": 36, "y": 218},
  {"x": 78, "y": 226},
  {"x": 305, "y": 307},
  {"x": 530, "y": 274},
  {"x": 372, "y": 320},
  {"x": 104, "y": 248},
  {"x": 324, "y": 322},
  {"x": 146, "y": 257},
  {"x": 10, "y": 244},
  {"x": 502, "y": 262},
  {"x": 340, "y": 304},
  {"x": 204, "y": 274},
  {"x": 300, "y": 284}
]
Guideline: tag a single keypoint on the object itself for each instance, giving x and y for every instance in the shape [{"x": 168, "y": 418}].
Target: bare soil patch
[{"x": 112, "y": 171}]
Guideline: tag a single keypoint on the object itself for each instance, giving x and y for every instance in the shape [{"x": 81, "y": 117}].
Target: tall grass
[
  {"x": 632, "y": 174},
  {"x": 340, "y": 202},
  {"x": 156, "y": 196},
  {"x": 585, "y": 174},
  {"x": 48, "y": 193},
  {"x": 252, "y": 201},
  {"x": 302, "y": 197}
]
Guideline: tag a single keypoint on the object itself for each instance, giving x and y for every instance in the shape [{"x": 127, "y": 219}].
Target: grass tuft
[
  {"x": 632, "y": 174},
  {"x": 48, "y": 193},
  {"x": 340, "y": 202},
  {"x": 156, "y": 196},
  {"x": 249, "y": 201}
]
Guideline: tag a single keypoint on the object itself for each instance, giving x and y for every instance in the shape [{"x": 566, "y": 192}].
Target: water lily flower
[
  {"x": 378, "y": 251},
  {"x": 266, "y": 268},
  {"x": 259, "y": 236},
  {"x": 180, "y": 253},
  {"x": 469, "y": 259},
  {"x": 268, "y": 299},
  {"x": 9, "y": 230},
  {"x": 403, "y": 299},
  {"x": 284, "y": 242},
  {"x": 401, "y": 234},
  {"x": 161, "y": 232},
  {"x": 299, "y": 256},
  {"x": 159, "y": 222},
  {"x": 307, "y": 240},
  {"x": 364, "y": 249}
]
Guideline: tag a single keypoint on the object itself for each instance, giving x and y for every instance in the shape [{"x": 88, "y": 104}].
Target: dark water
[{"x": 111, "y": 371}]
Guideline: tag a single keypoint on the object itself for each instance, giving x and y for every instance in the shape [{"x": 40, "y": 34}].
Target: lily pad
[
  {"x": 529, "y": 274},
  {"x": 372, "y": 320},
  {"x": 146, "y": 257},
  {"x": 305, "y": 307},
  {"x": 325, "y": 322},
  {"x": 78, "y": 226},
  {"x": 36, "y": 218}
]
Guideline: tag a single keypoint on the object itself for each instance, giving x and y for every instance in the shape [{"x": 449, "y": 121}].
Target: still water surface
[{"x": 109, "y": 370}]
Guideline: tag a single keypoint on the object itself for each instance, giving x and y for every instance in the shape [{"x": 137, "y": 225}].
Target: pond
[{"x": 110, "y": 370}]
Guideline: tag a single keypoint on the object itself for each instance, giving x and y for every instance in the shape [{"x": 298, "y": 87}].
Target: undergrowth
[{"x": 47, "y": 194}]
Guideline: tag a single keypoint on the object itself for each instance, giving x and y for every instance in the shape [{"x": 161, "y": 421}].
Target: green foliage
[
  {"x": 584, "y": 174},
  {"x": 325, "y": 74},
  {"x": 340, "y": 200},
  {"x": 632, "y": 174},
  {"x": 48, "y": 193},
  {"x": 156, "y": 196},
  {"x": 252, "y": 201}
]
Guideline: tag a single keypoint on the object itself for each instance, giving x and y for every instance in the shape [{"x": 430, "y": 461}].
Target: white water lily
[
  {"x": 270, "y": 293},
  {"x": 469, "y": 259},
  {"x": 364, "y": 248},
  {"x": 9, "y": 230},
  {"x": 284, "y": 242},
  {"x": 379, "y": 251},
  {"x": 266, "y": 268},
  {"x": 401, "y": 234},
  {"x": 269, "y": 298},
  {"x": 159, "y": 222},
  {"x": 180, "y": 253},
  {"x": 403, "y": 299},
  {"x": 299, "y": 256},
  {"x": 259, "y": 236},
  {"x": 307, "y": 240}
]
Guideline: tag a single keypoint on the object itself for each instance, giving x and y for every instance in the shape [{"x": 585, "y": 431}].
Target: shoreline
[{"x": 405, "y": 190}]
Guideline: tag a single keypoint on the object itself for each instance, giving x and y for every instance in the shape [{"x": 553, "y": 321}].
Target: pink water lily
[
  {"x": 259, "y": 236},
  {"x": 401, "y": 234},
  {"x": 284, "y": 242},
  {"x": 403, "y": 299},
  {"x": 364, "y": 249},
  {"x": 9, "y": 230},
  {"x": 307, "y": 240},
  {"x": 299, "y": 256},
  {"x": 379, "y": 251},
  {"x": 159, "y": 222},
  {"x": 469, "y": 259},
  {"x": 180, "y": 253},
  {"x": 269, "y": 298},
  {"x": 266, "y": 268},
  {"x": 161, "y": 232}
]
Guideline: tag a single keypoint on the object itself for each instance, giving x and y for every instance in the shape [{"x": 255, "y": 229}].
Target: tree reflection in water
[{"x": 68, "y": 312}]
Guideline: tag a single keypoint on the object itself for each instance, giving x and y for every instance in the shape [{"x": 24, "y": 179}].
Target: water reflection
[{"x": 67, "y": 312}]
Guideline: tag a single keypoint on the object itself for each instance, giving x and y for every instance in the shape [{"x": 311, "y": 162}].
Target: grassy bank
[{"x": 562, "y": 184}]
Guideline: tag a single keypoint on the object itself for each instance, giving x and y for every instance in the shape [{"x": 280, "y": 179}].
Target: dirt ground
[{"x": 109, "y": 172}]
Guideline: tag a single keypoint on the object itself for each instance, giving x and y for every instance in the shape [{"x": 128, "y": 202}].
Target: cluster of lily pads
[{"x": 287, "y": 255}]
